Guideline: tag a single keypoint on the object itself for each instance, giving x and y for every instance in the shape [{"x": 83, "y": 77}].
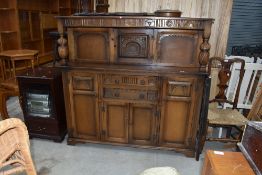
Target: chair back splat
[{"x": 224, "y": 76}]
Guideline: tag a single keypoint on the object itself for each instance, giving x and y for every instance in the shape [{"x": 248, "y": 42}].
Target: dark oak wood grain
[{"x": 135, "y": 80}]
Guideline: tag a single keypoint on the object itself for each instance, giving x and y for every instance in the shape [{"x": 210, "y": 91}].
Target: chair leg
[
  {"x": 228, "y": 134},
  {"x": 3, "y": 107}
]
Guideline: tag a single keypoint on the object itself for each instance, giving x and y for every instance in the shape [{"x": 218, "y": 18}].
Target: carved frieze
[
  {"x": 121, "y": 21},
  {"x": 130, "y": 80}
]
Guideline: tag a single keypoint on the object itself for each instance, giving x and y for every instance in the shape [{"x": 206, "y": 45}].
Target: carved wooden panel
[
  {"x": 178, "y": 48},
  {"x": 150, "y": 22},
  {"x": 130, "y": 94},
  {"x": 83, "y": 83},
  {"x": 92, "y": 45},
  {"x": 151, "y": 81},
  {"x": 134, "y": 45},
  {"x": 179, "y": 88}
]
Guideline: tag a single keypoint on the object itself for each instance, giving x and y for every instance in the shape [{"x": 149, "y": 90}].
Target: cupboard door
[
  {"x": 177, "y": 112},
  {"x": 142, "y": 124},
  {"x": 84, "y": 106},
  {"x": 135, "y": 46},
  {"x": 178, "y": 48},
  {"x": 115, "y": 122},
  {"x": 90, "y": 45}
]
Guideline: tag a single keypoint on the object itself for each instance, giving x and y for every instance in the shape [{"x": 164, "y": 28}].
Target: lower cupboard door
[
  {"x": 175, "y": 124},
  {"x": 115, "y": 122},
  {"x": 85, "y": 116},
  {"x": 142, "y": 124}
]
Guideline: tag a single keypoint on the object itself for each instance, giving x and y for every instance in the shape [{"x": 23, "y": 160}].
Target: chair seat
[
  {"x": 226, "y": 117},
  {"x": 160, "y": 171}
]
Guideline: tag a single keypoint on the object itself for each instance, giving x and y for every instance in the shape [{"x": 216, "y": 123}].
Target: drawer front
[
  {"x": 130, "y": 94},
  {"x": 42, "y": 127},
  {"x": 150, "y": 81},
  {"x": 83, "y": 83}
]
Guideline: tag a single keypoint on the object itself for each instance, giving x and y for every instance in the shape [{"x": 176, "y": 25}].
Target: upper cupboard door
[
  {"x": 135, "y": 46},
  {"x": 178, "y": 48},
  {"x": 91, "y": 45}
]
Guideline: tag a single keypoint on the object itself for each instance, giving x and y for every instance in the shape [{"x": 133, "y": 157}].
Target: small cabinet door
[
  {"x": 177, "y": 112},
  {"x": 142, "y": 121},
  {"x": 115, "y": 122},
  {"x": 90, "y": 45},
  {"x": 178, "y": 48},
  {"x": 84, "y": 106},
  {"x": 135, "y": 46}
]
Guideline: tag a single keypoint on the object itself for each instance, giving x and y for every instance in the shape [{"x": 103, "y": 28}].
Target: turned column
[
  {"x": 62, "y": 44},
  {"x": 205, "y": 46}
]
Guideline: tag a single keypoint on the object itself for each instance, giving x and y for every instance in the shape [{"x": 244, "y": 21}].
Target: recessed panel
[
  {"x": 92, "y": 46},
  {"x": 85, "y": 115},
  {"x": 177, "y": 48},
  {"x": 175, "y": 122}
]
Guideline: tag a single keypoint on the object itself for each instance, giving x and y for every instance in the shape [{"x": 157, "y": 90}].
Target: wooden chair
[
  {"x": 250, "y": 84},
  {"x": 226, "y": 118},
  {"x": 9, "y": 86},
  {"x": 15, "y": 156}
]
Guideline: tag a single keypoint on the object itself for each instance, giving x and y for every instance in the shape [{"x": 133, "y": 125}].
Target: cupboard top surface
[
  {"x": 40, "y": 72},
  {"x": 153, "y": 69}
]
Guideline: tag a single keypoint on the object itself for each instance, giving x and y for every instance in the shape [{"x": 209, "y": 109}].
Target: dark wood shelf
[
  {"x": 6, "y": 9},
  {"x": 31, "y": 41},
  {"x": 8, "y": 32}
]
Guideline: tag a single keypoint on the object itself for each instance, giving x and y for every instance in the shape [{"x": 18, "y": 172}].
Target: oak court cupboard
[{"x": 136, "y": 79}]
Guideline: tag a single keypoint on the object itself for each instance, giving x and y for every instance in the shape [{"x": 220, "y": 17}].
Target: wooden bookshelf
[{"x": 26, "y": 24}]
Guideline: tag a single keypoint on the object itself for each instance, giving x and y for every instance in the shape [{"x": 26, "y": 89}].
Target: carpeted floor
[{"x": 13, "y": 108}]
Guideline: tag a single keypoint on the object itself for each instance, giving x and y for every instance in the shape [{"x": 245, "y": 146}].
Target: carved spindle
[
  {"x": 205, "y": 46},
  {"x": 224, "y": 76},
  {"x": 62, "y": 49}
]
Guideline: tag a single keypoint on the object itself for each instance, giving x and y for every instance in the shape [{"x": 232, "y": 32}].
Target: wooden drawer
[
  {"x": 150, "y": 81},
  {"x": 130, "y": 94},
  {"x": 179, "y": 88},
  {"x": 42, "y": 127},
  {"x": 83, "y": 83}
]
